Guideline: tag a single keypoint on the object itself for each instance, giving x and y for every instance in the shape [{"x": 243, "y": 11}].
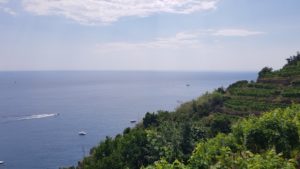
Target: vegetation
[
  {"x": 266, "y": 142},
  {"x": 221, "y": 129},
  {"x": 291, "y": 68}
]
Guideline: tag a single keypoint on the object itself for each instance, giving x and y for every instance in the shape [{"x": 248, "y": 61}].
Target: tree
[
  {"x": 220, "y": 124},
  {"x": 274, "y": 129},
  {"x": 134, "y": 149},
  {"x": 187, "y": 142},
  {"x": 150, "y": 119},
  {"x": 264, "y": 71},
  {"x": 293, "y": 59}
]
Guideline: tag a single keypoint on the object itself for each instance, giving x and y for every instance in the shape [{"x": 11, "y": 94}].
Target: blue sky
[{"x": 180, "y": 35}]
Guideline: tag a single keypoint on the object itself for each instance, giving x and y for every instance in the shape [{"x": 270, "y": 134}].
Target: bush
[
  {"x": 150, "y": 119},
  {"x": 274, "y": 129},
  {"x": 265, "y": 71},
  {"x": 220, "y": 124}
]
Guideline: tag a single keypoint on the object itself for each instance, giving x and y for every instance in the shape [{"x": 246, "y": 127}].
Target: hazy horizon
[
  {"x": 128, "y": 70},
  {"x": 158, "y": 35}
]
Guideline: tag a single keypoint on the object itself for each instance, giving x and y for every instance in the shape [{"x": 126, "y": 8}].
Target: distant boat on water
[
  {"x": 179, "y": 101},
  {"x": 1, "y": 162},
  {"x": 187, "y": 85},
  {"x": 82, "y": 133},
  {"x": 132, "y": 121}
]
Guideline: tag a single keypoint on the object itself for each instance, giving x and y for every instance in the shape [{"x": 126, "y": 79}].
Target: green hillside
[
  {"x": 215, "y": 130},
  {"x": 273, "y": 89}
]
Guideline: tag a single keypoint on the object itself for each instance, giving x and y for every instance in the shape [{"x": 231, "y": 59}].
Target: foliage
[
  {"x": 291, "y": 92},
  {"x": 291, "y": 68},
  {"x": 203, "y": 106},
  {"x": 163, "y": 164},
  {"x": 150, "y": 119},
  {"x": 240, "y": 83},
  {"x": 293, "y": 60},
  {"x": 207, "y": 152},
  {"x": 127, "y": 151},
  {"x": 264, "y": 71},
  {"x": 220, "y": 124},
  {"x": 207, "y": 103},
  {"x": 186, "y": 144},
  {"x": 274, "y": 129},
  {"x": 267, "y": 142}
]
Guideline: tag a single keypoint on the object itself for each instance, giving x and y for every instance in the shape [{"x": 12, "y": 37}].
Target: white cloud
[
  {"x": 180, "y": 40},
  {"x": 187, "y": 39},
  {"x": 8, "y": 10},
  {"x": 236, "y": 32},
  {"x": 189, "y": 50},
  {"x": 108, "y": 11}
]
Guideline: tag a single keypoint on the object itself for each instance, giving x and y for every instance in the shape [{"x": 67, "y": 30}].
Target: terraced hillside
[{"x": 273, "y": 89}]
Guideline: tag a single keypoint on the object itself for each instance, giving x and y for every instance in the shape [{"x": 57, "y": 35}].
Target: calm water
[{"x": 41, "y": 113}]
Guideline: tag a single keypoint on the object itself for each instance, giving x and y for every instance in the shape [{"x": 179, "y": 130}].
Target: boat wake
[
  {"x": 29, "y": 117},
  {"x": 37, "y": 116}
]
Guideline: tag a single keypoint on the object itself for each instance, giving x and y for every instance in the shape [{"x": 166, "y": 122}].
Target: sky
[{"x": 156, "y": 35}]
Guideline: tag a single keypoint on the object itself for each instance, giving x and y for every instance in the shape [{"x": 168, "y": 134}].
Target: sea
[{"x": 42, "y": 112}]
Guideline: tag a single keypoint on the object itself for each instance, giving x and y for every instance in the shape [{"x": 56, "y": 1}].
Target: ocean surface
[{"x": 41, "y": 113}]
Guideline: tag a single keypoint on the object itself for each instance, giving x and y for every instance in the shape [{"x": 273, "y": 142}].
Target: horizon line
[{"x": 112, "y": 70}]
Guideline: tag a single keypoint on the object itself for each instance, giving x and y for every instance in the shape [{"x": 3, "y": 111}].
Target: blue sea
[{"x": 41, "y": 113}]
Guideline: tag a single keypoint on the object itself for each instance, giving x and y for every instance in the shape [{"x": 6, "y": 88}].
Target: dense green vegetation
[
  {"x": 269, "y": 141},
  {"x": 217, "y": 130}
]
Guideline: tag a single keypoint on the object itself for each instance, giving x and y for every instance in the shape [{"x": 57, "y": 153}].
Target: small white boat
[
  {"x": 82, "y": 133},
  {"x": 1, "y": 162}
]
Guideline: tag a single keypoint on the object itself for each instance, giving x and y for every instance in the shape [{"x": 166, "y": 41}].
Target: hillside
[
  {"x": 168, "y": 139},
  {"x": 273, "y": 89}
]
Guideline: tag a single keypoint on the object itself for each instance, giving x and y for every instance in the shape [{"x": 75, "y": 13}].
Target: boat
[
  {"x": 179, "y": 101},
  {"x": 1, "y": 162},
  {"x": 132, "y": 121},
  {"x": 188, "y": 85},
  {"x": 82, "y": 133}
]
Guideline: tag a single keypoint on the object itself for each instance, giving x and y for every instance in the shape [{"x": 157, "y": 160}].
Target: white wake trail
[{"x": 37, "y": 116}]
